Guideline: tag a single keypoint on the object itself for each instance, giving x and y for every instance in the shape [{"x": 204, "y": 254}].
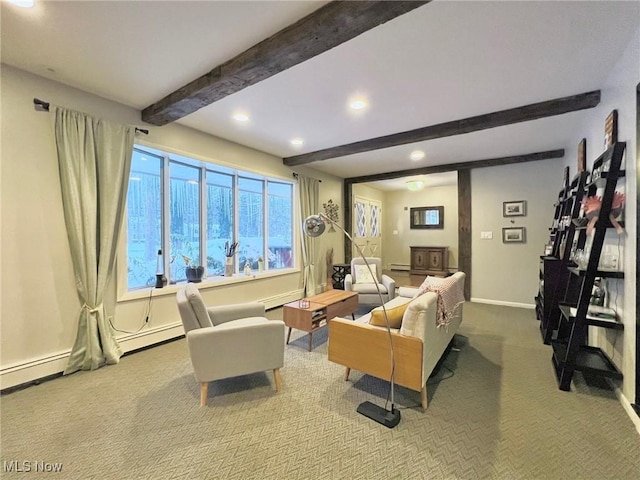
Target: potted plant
[
  {"x": 194, "y": 272},
  {"x": 229, "y": 252}
]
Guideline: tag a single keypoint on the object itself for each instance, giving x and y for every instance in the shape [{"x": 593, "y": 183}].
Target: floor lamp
[{"x": 314, "y": 226}]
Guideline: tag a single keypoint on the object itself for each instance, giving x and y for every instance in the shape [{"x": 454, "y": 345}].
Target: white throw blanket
[{"x": 450, "y": 292}]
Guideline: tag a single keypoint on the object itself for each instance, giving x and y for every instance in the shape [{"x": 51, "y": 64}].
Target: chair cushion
[
  {"x": 394, "y": 314},
  {"x": 369, "y": 288},
  {"x": 198, "y": 306},
  {"x": 363, "y": 275}
]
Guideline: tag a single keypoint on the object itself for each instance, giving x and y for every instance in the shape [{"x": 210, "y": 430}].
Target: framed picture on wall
[
  {"x": 513, "y": 235},
  {"x": 611, "y": 129},
  {"x": 517, "y": 208},
  {"x": 582, "y": 155}
]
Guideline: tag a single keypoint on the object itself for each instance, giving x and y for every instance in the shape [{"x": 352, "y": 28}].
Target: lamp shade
[{"x": 314, "y": 226}]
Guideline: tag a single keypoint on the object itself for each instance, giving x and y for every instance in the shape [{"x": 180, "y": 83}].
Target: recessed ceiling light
[
  {"x": 23, "y": 3},
  {"x": 358, "y": 104},
  {"x": 297, "y": 142},
  {"x": 241, "y": 117},
  {"x": 416, "y": 155}
]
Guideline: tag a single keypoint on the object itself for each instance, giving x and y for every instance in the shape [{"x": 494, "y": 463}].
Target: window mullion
[
  {"x": 203, "y": 218},
  {"x": 166, "y": 216},
  {"x": 265, "y": 223},
  {"x": 236, "y": 219}
]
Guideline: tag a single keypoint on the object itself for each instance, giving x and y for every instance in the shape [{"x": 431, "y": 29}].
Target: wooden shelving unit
[
  {"x": 554, "y": 275},
  {"x": 571, "y": 352}
]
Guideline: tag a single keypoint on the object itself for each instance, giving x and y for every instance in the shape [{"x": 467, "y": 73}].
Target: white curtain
[
  {"x": 309, "y": 202},
  {"x": 94, "y": 160}
]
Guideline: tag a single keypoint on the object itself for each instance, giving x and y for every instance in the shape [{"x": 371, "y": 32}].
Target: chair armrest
[
  {"x": 225, "y": 313},
  {"x": 236, "y": 350},
  {"x": 348, "y": 282},
  {"x": 390, "y": 283},
  {"x": 408, "y": 292}
]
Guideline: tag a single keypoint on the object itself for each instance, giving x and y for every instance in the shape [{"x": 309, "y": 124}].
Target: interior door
[{"x": 367, "y": 215}]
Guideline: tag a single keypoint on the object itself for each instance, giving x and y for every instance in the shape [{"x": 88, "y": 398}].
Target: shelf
[
  {"x": 589, "y": 360},
  {"x": 315, "y": 324},
  {"x": 602, "y": 180},
  {"x": 591, "y": 319},
  {"x": 543, "y": 334},
  {"x": 581, "y": 223},
  {"x": 597, "y": 273}
]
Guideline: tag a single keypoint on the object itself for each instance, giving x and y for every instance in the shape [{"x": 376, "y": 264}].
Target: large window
[
  {"x": 191, "y": 209},
  {"x": 144, "y": 218},
  {"x": 184, "y": 219},
  {"x": 280, "y": 206}
]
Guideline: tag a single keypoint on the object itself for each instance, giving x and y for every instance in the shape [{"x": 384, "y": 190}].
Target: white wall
[
  {"x": 396, "y": 218},
  {"x": 619, "y": 92},
  {"x": 39, "y": 303},
  {"x": 508, "y": 273}
]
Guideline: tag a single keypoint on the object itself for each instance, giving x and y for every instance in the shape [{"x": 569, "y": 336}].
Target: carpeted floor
[{"x": 494, "y": 412}]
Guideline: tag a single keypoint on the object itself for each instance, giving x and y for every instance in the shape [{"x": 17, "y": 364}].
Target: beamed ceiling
[{"x": 464, "y": 82}]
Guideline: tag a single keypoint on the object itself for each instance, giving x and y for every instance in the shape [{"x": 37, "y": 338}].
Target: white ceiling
[{"x": 444, "y": 61}]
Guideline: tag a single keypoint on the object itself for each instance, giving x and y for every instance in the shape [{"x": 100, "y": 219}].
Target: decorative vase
[
  {"x": 260, "y": 265},
  {"x": 194, "y": 274},
  {"x": 228, "y": 267}
]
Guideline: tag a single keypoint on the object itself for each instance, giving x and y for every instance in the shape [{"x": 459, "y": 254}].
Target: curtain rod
[
  {"x": 296, "y": 177},
  {"x": 42, "y": 106}
]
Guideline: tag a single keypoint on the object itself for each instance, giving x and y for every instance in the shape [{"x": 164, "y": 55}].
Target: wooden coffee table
[{"x": 322, "y": 307}]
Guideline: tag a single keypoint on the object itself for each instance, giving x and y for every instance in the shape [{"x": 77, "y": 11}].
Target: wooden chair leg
[
  {"x": 204, "y": 387},
  {"x": 276, "y": 376},
  {"x": 423, "y": 397},
  {"x": 346, "y": 373}
]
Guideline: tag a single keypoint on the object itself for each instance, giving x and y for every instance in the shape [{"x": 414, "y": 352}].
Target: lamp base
[{"x": 378, "y": 414}]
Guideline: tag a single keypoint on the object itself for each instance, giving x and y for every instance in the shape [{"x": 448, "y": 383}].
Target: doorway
[{"x": 367, "y": 236}]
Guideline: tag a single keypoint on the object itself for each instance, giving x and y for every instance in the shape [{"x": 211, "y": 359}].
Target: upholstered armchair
[
  {"x": 359, "y": 280},
  {"x": 230, "y": 340}
]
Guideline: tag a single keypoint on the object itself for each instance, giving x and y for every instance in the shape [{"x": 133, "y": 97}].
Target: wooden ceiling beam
[
  {"x": 322, "y": 30},
  {"x": 489, "y": 162},
  {"x": 501, "y": 118}
]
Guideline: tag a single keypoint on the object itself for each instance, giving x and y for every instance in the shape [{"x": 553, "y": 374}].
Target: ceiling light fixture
[
  {"x": 415, "y": 185},
  {"x": 241, "y": 117},
  {"x": 23, "y": 3},
  {"x": 358, "y": 104},
  {"x": 416, "y": 155},
  {"x": 297, "y": 142}
]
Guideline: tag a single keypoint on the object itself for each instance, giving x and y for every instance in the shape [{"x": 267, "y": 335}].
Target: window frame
[{"x": 204, "y": 166}]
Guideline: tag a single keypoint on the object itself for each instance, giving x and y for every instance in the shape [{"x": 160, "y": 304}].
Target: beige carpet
[{"x": 499, "y": 416}]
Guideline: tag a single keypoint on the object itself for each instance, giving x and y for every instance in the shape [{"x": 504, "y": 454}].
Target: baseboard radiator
[{"x": 405, "y": 267}]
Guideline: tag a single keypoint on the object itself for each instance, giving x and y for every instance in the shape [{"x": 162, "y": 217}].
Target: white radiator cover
[{"x": 399, "y": 266}]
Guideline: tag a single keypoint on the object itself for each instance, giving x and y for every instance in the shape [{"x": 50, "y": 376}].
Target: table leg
[
  {"x": 353, "y": 316},
  {"x": 310, "y": 340},
  {"x": 289, "y": 335}
]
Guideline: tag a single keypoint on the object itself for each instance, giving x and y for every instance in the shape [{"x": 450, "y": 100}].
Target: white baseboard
[
  {"x": 33, "y": 369},
  {"x": 529, "y": 306},
  {"x": 626, "y": 404},
  {"x": 40, "y": 367}
]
